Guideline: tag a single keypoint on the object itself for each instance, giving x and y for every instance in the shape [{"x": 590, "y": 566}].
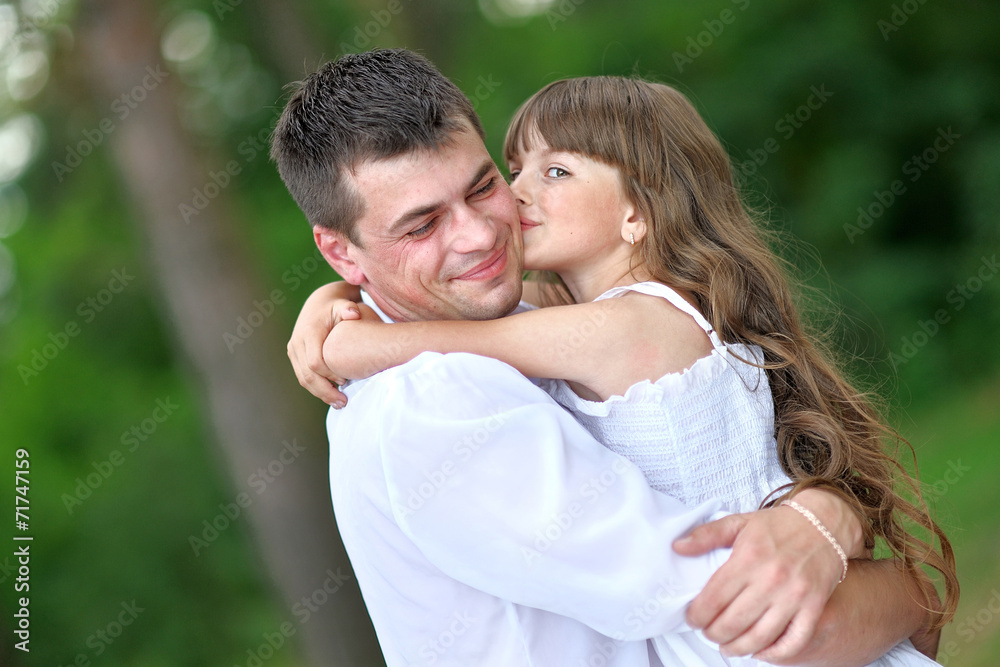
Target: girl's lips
[{"x": 527, "y": 224}]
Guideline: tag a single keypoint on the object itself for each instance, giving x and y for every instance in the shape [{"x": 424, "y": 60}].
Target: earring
[{"x": 631, "y": 238}]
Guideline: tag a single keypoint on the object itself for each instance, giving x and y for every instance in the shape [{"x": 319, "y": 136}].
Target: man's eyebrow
[{"x": 427, "y": 209}]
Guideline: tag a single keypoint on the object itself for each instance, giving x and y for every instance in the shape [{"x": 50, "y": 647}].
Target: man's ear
[{"x": 339, "y": 253}]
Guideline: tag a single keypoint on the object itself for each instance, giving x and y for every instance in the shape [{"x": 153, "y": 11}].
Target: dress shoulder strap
[{"x": 679, "y": 302}]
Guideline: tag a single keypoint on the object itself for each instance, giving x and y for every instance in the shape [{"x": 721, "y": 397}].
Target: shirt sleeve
[{"x": 504, "y": 491}]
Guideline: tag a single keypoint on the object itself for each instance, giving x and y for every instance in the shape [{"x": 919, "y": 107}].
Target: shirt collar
[{"x": 370, "y": 302}]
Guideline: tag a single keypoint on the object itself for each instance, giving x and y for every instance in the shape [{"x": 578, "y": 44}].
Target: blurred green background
[{"x": 152, "y": 264}]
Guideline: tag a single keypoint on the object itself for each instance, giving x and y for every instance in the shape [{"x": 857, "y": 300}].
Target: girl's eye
[
  {"x": 556, "y": 172},
  {"x": 514, "y": 174}
]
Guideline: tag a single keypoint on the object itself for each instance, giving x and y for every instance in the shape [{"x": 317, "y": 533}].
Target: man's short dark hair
[{"x": 362, "y": 107}]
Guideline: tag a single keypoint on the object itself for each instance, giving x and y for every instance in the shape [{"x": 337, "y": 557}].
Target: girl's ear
[
  {"x": 339, "y": 253},
  {"x": 634, "y": 226}
]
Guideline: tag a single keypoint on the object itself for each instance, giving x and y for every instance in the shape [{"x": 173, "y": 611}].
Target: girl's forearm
[
  {"x": 559, "y": 342},
  {"x": 361, "y": 349},
  {"x": 397, "y": 344}
]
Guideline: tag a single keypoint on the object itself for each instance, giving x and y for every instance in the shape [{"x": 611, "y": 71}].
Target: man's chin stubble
[{"x": 482, "y": 311}]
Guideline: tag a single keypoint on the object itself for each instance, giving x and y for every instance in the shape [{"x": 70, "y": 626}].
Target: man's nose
[{"x": 474, "y": 231}]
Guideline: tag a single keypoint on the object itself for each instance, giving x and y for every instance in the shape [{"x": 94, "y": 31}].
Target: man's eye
[
  {"x": 556, "y": 172},
  {"x": 422, "y": 231},
  {"x": 486, "y": 188}
]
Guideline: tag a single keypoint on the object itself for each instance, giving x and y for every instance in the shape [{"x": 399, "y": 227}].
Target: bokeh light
[
  {"x": 27, "y": 74},
  {"x": 20, "y": 139}
]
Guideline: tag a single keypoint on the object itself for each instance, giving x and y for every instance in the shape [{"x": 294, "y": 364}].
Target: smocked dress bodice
[{"x": 705, "y": 433}]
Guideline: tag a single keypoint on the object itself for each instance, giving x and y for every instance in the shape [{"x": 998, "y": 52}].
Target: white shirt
[{"x": 487, "y": 527}]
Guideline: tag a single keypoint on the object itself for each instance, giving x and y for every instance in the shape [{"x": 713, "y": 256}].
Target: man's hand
[
  {"x": 877, "y": 606},
  {"x": 324, "y": 308},
  {"x": 774, "y": 584},
  {"x": 778, "y": 579}
]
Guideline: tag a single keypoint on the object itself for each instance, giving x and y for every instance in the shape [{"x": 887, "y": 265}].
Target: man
[{"x": 484, "y": 524}]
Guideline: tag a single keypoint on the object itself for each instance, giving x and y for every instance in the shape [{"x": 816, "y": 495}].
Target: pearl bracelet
[{"x": 826, "y": 533}]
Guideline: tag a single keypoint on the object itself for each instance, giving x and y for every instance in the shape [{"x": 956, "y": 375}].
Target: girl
[{"x": 684, "y": 351}]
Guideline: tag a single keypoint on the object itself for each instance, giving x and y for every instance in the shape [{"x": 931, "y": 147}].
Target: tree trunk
[{"x": 207, "y": 283}]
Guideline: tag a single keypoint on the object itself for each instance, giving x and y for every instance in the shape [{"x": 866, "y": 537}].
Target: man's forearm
[{"x": 877, "y": 606}]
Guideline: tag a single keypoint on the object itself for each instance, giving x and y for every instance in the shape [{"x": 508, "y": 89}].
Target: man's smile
[{"x": 490, "y": 268}]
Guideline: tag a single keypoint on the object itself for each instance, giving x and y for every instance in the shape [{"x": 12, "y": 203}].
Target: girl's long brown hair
[{"x": 702, "y": 238}]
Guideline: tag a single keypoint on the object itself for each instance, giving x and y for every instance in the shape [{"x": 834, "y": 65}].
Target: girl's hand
[
  {"x": 325, "y": 307},
  {"x": 355, "y": 349}
]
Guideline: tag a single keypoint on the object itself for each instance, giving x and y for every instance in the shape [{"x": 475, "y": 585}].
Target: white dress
[{"x": 702, "y": 434}]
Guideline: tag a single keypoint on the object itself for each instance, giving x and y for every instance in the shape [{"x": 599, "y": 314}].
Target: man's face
[{"x": 440, "y": 235}]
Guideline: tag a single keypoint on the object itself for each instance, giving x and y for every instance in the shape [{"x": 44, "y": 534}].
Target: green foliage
[
  {"x": 111, "y": 509},
  {"x": 886, "y": 96}
]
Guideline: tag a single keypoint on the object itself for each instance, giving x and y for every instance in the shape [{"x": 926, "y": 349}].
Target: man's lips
[
  {"x": 492, "y": 267},
  {"x": 527, "y": 224}
]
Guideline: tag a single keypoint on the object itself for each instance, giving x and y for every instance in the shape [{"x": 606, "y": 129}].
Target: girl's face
[{"x": 572, "y": 209}]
